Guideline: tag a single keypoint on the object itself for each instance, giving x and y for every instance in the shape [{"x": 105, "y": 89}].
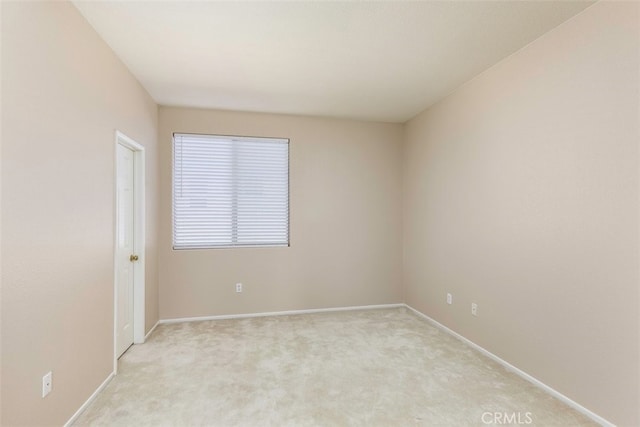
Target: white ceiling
[{"x": 383, "y": 61}]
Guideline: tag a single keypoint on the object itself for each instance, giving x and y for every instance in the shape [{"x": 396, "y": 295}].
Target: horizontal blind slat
[{"x": 230, "y": 191}]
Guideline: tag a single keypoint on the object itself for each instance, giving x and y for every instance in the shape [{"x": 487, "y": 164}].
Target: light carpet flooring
[{"x": 358, "y": 368}]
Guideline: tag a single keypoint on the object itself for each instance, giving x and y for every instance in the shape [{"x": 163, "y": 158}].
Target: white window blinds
[{"x": 230, "y": 191}]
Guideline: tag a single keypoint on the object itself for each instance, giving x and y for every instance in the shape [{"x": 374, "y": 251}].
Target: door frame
[{"x": 138, "y": 242}]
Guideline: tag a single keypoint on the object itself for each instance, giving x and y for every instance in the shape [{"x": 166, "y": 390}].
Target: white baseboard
[
  {"x": 104, "y": 384},
  {"x": 278, "y": 313},
  {"x": 575, "y": 405},
  {"x": 151, "y": 331},
  {"x": 89, "y": 400}
]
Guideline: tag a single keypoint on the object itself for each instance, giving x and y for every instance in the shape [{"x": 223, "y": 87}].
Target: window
[{"x": 230, "y": 191}]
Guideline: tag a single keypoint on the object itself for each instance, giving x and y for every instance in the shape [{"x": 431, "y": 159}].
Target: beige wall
[
  {"x": 344, "y": 221},
  {"x": 63, "y": 95},
  {"x": 521, "y": 194},
  {"x": 1, "y": 97}
]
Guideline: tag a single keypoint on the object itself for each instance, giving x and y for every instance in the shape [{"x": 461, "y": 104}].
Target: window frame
[{"x": 281, "y": 140}]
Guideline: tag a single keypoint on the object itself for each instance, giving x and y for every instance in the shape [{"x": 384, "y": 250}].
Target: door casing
[{"x": 138, "y": 242}]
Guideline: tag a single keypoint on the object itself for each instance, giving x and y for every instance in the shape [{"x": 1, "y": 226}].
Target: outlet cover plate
[{"x": 47, "y": 384}]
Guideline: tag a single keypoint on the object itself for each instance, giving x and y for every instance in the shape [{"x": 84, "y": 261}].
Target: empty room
[{"x": 319, "y": 213}]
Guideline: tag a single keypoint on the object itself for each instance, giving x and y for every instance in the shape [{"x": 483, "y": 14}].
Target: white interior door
[{"x": 125, "y": 255}]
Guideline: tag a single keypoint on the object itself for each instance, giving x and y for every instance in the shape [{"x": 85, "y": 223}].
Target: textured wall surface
[
  {"x": 64, "y": 93},
  {"x": 521, "y": 194},
  {"x": 345, "y": 221},
  {"x": 519, "y": 191}
]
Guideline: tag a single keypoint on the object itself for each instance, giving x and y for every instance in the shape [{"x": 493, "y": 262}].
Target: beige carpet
[{"x": 359, "y": 368}]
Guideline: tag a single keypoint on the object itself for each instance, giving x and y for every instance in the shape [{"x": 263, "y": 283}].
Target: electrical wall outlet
[
  {"x": 474, "y": 308},
  {"x": 238, "y": 287},
  {"x": 449, "y": 299},
  {"x": 47, "y": 384}
]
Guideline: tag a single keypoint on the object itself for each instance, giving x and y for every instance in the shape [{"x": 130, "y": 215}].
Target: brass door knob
[{"x": 133, "y": 258}]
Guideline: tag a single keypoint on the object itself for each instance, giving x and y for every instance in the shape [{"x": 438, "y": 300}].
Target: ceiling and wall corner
[
  {"x": 376, "y": 61},
  {"x": 290, "y": 69},
  {"x": 521, "y": 195}
]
